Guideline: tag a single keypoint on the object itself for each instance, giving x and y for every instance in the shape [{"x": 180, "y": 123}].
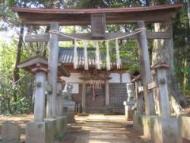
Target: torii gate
[{"x": 98, "y": 18}]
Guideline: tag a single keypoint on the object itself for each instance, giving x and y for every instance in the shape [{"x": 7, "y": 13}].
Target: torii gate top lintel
[{"x": 42, "y": 16}]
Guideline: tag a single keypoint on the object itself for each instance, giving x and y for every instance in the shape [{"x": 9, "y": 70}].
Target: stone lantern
[{"x": 38, "y": 66}]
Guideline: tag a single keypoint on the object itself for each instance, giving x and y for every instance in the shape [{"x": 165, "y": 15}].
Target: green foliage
[
  {"x": 14, "y": 97},
  {"x": 102, "y": 3},
  {"x": 129, "y": 52},
  {"x": 182, "y": 49}
]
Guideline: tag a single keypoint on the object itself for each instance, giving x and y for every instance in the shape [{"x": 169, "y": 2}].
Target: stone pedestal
[
  {"x": 166, "y": 130},
  {"x": 60, "y": 105},
  {"x": 61, "y": 123},
  {"x": 50, "y": 129},
  {"x": 10, "y": 132},
  {"x": 47, "y": 131},
  {"x": 128, "y": 111},
  {"x": 40, "y": 132},
  {"x": 35, "y": 132},
  {"x": 185, "y": 127},
  {"x": 69, "y": 108},
  {"x": 161, "y": 130}
]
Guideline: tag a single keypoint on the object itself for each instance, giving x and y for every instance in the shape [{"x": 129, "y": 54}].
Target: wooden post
[
  {"x": 39, "y": 96},
  {"x": 145, "y": 69},
  {"x": 130, "y": 91},
  {"x": 161, "y": 72},
  {"x": 107, "y": 94},
  {"x": 59, "y": 99},
  {"x": 84, "y": 96},
  {"x": 139, "y": 98},
  {"x": 52, "y": 66}
]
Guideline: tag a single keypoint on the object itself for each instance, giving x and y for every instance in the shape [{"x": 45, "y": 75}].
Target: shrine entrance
[
  {"x": 152, "y": 114},
  {"x": 95, "y": 99},
  {"x": 94, "y": 91}
]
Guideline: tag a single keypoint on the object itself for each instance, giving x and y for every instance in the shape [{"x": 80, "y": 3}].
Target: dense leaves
[{"x": 15, "y": 97}]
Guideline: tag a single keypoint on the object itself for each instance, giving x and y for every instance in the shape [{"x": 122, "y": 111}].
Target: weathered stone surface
[
  {"x": 60, "y": 105},
  {"x": 39, "y": 97},
  {"x": 47, "y": 131},
  {"x": 10, "y": 132},
  {"x": 35, "y": 132},
  {"x": 166, "y": 130},
  {"x": 185, "y": 127},
  {"x": 69, "y": 107},
  {"x": 41, "y": 132},
  {"x": 128, "y": 111},
  {"x": 50, "y": 129},
  {"x": 61, "y": 123},
  {"x": 148, "y": 123}
]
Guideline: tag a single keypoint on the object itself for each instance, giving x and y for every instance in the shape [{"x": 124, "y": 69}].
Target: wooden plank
[
  {"x": 37, "y": 38},
  {"x": 145, "y": 70},
  {"x": 45, "y": 37},
  {"x": 159, "y": 35},
  {"x": 152, "y": 85},
  {"x": 107, "y": 93},
  {"x": 97, "y": 10},
  {"x": 82, "y": 16},
  {"x": 83, "y": 96},
  {"x": 98, "y": 25}
]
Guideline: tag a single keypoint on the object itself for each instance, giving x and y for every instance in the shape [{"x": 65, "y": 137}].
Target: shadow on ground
[{"x": 102, "y": 129}]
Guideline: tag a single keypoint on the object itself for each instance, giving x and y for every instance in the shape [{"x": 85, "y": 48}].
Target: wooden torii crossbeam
[{"x": 83, "y": 16}]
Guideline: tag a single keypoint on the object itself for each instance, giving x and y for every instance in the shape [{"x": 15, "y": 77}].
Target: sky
[{"x": 8, "y": 33}]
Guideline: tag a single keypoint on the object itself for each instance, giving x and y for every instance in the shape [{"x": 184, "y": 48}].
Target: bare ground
[
  {"x": 91, "y": 129},
  {"x": 102, "y": 129}
]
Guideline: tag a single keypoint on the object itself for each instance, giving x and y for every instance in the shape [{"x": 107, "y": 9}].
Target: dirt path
[{"x": 101, "y": 129}]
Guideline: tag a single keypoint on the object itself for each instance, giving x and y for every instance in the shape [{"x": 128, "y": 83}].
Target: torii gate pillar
[
  {"x": 145, "y": 69},
  {"x": 52, "y": 74}
]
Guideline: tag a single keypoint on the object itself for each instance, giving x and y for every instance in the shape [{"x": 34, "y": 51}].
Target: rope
[
  {"x": 97, "y": 55},
  {"x": 75, "y": 58},
  {"x": 98, "y": 60},
  {"x": 118, "y": 59},
  {"x": 108, "y": 67},
  {"x": 85, "y": 55},
  {"x": 120, "y": 37}
]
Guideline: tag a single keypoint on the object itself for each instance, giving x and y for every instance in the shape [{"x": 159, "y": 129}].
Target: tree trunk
[
  {"x": 188, "y": 11},
  {"x": 18, "y": 54},
  {"x": 18, "y": 58},
  {"x": 163, "y": 53}
]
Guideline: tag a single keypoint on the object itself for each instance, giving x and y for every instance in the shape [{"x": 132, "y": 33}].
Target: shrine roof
[
  {"x": 44, "y": 16},
  {"x": 66, "y": 56},
  {"x": 39, "y": 63}
]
